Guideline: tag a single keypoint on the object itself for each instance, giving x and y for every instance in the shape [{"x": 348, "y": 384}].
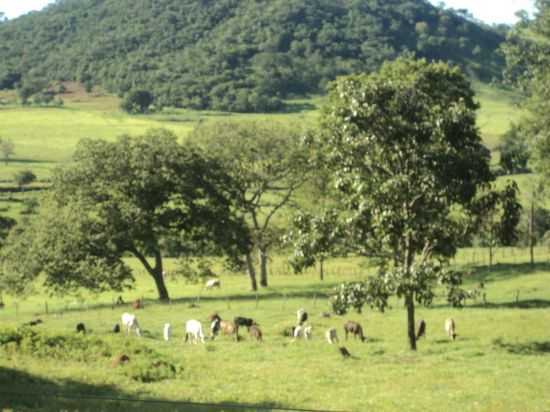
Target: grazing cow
[
  {"x": 129, "y": 322},
  {"x": 227, "y": 328},
  {"x": 255, "y": 332},
  {"x": 35, "y": 322},
  {"x": 331, "y": 336},
  {"x": 421, "y": 329},
  {"x": 213, "y": 283},
  {"x": 325, "y": 315},
  {"x": 193, "y": 329},
  {"x": 450, "y": 328},
  {"x": 137, "y": 304},
  {"x": 355, "y": 329},
  {"x": 304, "y": 331},
  {"x": 240, "y": 321},
  {"x": 119, "y": 301},
  {"x": 167, "y": 331},
  {"x": 81, "y": 328},
  {"x": 116, "y": 328},
  {"x": 301, "y": 316}
]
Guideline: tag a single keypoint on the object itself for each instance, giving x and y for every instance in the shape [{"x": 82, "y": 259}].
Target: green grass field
[{"x": 499, "y": 361}]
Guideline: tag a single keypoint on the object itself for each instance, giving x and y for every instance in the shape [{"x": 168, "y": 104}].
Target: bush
[{"x": 145, "y": 364}]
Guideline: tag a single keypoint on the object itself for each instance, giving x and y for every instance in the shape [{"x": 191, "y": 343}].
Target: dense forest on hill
[{"x": 236, "y": 55}]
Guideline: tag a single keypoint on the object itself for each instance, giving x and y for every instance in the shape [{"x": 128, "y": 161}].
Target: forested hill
[{"x": 238, "y": 55}]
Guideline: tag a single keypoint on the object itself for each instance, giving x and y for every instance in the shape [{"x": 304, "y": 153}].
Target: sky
[{"x": 490, "y": 11}]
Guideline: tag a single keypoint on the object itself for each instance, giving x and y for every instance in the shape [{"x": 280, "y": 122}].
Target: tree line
[{"x": 231, "y": 55}]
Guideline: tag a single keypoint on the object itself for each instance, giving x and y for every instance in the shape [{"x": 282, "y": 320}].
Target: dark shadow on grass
[
  {"x": 521, "y": 304},
  {"x": 527, "y": 348},
  {"x": 29, "y": 161},
  {"x": 504, "y": 271},
  {"x": 22, "y": 391}
]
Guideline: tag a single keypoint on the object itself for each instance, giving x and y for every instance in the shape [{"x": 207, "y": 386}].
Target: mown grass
[{"x": 499, "y": 361}]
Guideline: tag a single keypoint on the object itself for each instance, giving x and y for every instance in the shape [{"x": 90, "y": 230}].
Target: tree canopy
[
  {"x": 268, "y": 163},
  {"x": 408, "y": 161},
  {"x": 124, "y": 198},
  {"x": 235, "y": 55}
]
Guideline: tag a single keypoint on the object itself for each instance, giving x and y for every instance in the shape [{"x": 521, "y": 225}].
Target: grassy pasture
[{"x": 498, "y": 363}]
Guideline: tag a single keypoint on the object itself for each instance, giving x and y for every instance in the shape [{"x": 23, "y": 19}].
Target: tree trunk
[
  {"x": 155, "y": 272},
  {"x": 251, "y": 272},
  {"x": 262, "y": 254},
  {"x": 409, "y": 302},
  {"x": 321, "y": 269},
  {"x": 490, "y": 255},
  {"x": 532, "y": 233},
  {"x": 161, "y": 286}
]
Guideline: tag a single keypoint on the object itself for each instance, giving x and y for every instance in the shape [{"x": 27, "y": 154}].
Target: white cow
[
  {"x": 193, "y": 328},
  {"x": 304, "y": 331},
  {"x": 213, "y": 283},
  {"x": 129, "y": 321},
  {"x": 167, "y": 331},
  {"x": 331, "y": 335},
  {"x": 450, "y": 328}
]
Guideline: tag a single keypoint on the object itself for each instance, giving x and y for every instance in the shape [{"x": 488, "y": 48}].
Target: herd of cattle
[{"x": 194, "y": 332}]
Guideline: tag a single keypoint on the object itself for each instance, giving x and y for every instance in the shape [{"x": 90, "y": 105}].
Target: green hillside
[{"x": 236, "y": 55}]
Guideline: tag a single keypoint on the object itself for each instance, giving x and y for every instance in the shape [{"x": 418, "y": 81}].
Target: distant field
[{"x": 498, "y": 363}]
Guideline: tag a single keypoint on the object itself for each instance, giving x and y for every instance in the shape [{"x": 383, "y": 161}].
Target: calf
[
  {"x": 167, "y": 332},
  {"x": 255, "y": 332},
  {"x": 331, "y": 336},
  {"x": 421, "y": 329},
  {"x": 81, "y": 328},
  {"x": 450, "y": 328},
  {"x": 355, "y": 329}
]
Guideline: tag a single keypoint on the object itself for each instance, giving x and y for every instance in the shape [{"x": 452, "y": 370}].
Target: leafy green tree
[
  {"x": 514, "y": 151},
  {"x": 124, "y": 198},
  {"x": 137, "y": 101},
  {"x": 268, "y": 163},
  {"x": 315, "y": 239},
  {"x": 499, "y": 213},
  {"x": 7, "y": 147},
  {"x": 407, "y": 158},
  {"x": 24, "y": 178}
]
